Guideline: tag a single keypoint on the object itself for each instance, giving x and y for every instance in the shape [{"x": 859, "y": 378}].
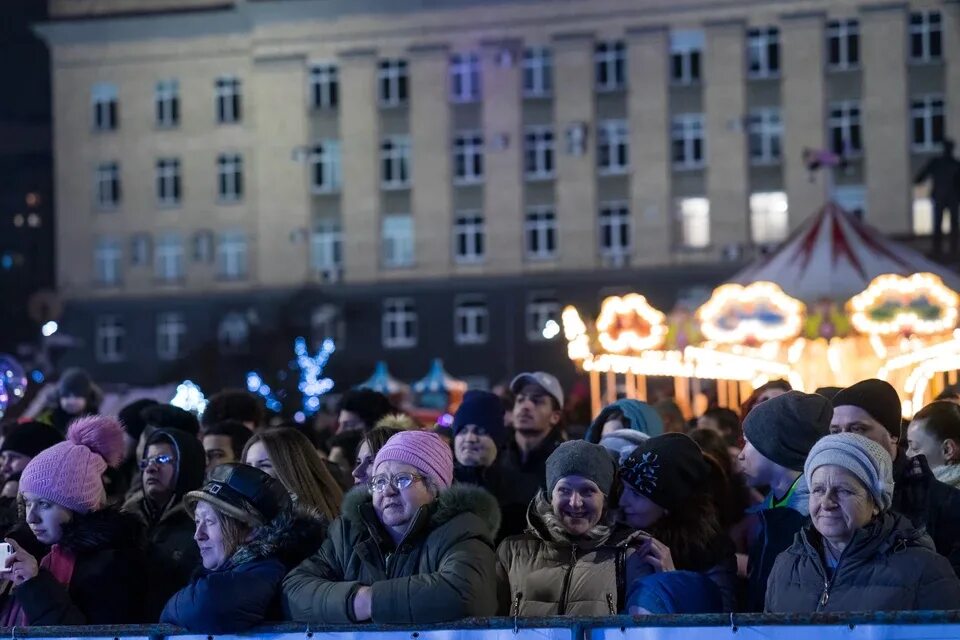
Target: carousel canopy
[
  {"x": 834, "y": 256},
  {"x": 437, "y": 379},
  {"x": 382, "y": 381}
]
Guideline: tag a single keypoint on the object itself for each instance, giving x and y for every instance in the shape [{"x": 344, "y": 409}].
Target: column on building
[
  {"x": 725, "y": 101},
  {"x": 432, "y": 198},
  {"x": 804, "y": 109},
  {"x": 576, "y": 191},
  {"x": 885, "y": 116},
  {"x": 360, "y": 148},
  {"x": 648, "y": 108},
  {"x": 503, "y": 156},
  {"x": 951, "y": 57},
  {"x": 280, "y": 250}
]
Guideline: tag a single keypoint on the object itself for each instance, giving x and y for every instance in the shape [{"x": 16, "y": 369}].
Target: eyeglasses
[
  {"x": 401, "y": 481},
  {"x": 158, "y": 460}
]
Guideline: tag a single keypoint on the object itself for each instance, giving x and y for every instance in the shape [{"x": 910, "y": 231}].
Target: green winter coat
[{"x": 443, "y": 570}]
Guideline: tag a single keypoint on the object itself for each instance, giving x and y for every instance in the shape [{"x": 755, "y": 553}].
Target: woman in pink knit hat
[
  {"x": 409, "y": 548},
  {"x": 93, "y": 571}
]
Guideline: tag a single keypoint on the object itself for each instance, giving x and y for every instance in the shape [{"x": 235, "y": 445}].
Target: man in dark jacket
[
  {"x": 479, "y": 433},
  {"x": 871, "y": 408},
  {"x": 944, "y": 170},
  {"x": 173, "y": 465},
  {"x": 779, "y": 434},
  {"x": 537, "y": 411}
]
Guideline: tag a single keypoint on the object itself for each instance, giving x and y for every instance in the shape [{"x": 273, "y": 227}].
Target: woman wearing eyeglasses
[
  {"x": 409, "y": 548},
  {"x": 173, "y": 464}
]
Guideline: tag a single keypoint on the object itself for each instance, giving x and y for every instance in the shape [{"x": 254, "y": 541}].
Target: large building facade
[{"x": 438, "y": 179}]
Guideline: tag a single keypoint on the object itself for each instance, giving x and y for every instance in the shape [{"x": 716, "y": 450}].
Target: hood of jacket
[
  {"x": 798, "y": 500},
  {"x": 545, "y": 525},
  {"x": 291, "y": 537},
  {"x": 105, "y": 529},
  {"x": 460, "y": 498},
  {"x": 885, "y": 534},
  {"x": 191, "y": 459},
  {"x": 948, "y": 474},
  {"x": 641, "y": 417}
]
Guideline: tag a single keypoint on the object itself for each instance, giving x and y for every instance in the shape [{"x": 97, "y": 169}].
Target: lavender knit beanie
[{"x": 421, "y": 449}]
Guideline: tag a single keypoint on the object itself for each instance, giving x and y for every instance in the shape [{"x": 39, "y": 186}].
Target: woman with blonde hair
[{"x": 287, "y": 455}]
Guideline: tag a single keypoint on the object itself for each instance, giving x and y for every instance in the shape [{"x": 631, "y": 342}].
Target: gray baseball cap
[{"x": 543, "y": 379}]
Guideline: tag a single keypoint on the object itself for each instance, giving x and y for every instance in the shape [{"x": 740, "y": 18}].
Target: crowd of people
[{"x": 798, "y": 503}]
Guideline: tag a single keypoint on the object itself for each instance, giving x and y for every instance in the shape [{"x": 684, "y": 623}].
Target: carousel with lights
[{"x": 836, "y": 303}]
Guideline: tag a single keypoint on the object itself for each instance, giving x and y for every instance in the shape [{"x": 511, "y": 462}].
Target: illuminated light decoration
[
  {"x": 758, "y": 313},
  {"x": 575, "y": 331},
  {"x": 795, "y": 351},
  {"x": 312, "y": 382},
  {"x": 759, "y": 381},
  {"x": 255, "y": 384},
  {"x": 879, "y": 348},
  {"x": 551, "y": 330},
  {"x": 925, "y": 372},
  {"x": 919, "y": 356},
  {"x": 896, "y": 305},
  {"x": 630, "y": 324},
  {"x": 833, "y": 357},
  {"x": 189, "y": 397},
  {"x": 796, "y": 382}
]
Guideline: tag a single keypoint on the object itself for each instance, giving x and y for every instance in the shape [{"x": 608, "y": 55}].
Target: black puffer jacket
[{"x": 929, "y": 504}]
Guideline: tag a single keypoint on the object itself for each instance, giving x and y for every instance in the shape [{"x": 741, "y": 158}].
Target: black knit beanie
[
  {"x": 667, "y": 469},
  {"x": 876, "y": 397},
  {"x": 785, "y": 428},
  {"x": 30, "y": 438}
]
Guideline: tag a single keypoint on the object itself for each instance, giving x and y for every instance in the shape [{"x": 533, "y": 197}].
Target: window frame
[
  {"x": 170, "y": 343},
  {"x": 614, "y": 216},
  {"x": 169, "y": 178},
  {"x": 932, "y": 107},
  {"x": 540, "y": 307},
  {"x": 540, "y": 228},
  {"x": 539, "y": 143},
  {"x": 846, "y": 117},
  {"x": 233, "y": 247},
  {"x": 400, "y": 312},
  {"x": 167, "y": 103},
  {"x": 397, "y": 251},
  {"x": 610, "y": 60},
  {"x": 108, "y": 262},
  {"x": 765, "y": 124},
  {"x": 765, "y": 43},
  {"x": 688, "y": 125},
  {"x": 107, "y": 180},
  {"x": 323, "y": 81},
  {"x": 465, "y": 78},
  {"x": 613, "y": 139},
  {"x": 683, "y": 216},
  {"x": 105, "y": 104},
  {"x": 846, "y": 33},
  {"x": 468, "y": 154},
  {"x": 228, "y": 92},
  {"x": 930, "y": 33},
  {"x": 326, "y": 240},
  {"x": 168, "y": 257},
  {"x": 393, "y": 83},
  {"x": 110, "y": 327},
  {"x": 471, "y": 320},
  {"x": 469, "y": 229},
  {"x": 537, "y": 67},
  {"x": 395, "y": 163},
  {"x": 230, "y": 182}
]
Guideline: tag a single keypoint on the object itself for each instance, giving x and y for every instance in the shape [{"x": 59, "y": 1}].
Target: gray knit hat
[
  {"x": 859, "y": 455},
  {"x": 784, "y": 428},
  {"x": 581, "y": 458}
]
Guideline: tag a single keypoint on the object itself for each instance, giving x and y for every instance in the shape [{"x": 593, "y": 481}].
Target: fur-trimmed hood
[
  {"x": 544, "y": 524},
  {"x": 291, "y": 537},
  {"x": 105, "y": 529},
  {"x": 457, "y": 499}
]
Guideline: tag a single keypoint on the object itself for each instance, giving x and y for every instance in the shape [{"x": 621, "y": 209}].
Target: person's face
[
  {"x": 219, "y": 450},
  {"x": 73, "y": 405},
  {"x": 533, "y": 410},
  {"x": 160, "y": 478},
  {"x": 850, "y": 419},
  {"x": 396, "y": 508},
  {"x": 757, "y": 469},
  {"x": 361, "y": 470},
  {"x": 839, "y": 503},
  {"x": 769, "y": 394},
  {"x": 639, "y": 511},
  {"x": 473, "y": 447},
  {"x": 45, "y": 518},
  {"x": 919, "y": 442},
  {"x": 338, "y": 456},
  {"x": 12, "y": 463},
  {"x": 578, "y": 503},
  {"x": 610, "y": 426},
  {"x": 208, "y": 534},
  {"x": 349, "y": 421},
  {"x": 258, "y": 457}
]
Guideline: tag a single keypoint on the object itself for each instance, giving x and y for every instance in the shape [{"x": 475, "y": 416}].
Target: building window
[
  {"x": 843, "y": 44},
  {"x": 203, "y": 247},
  {"x": 614, "y": 230},
  {"x": 230, "y": 177},
  {"x": 233, "y": 334},
  {"x": 926, "y": 36},
  {"x": 324, "y": 86},
  {"x": 107, "y": 258},
  {"x": 613, "y": 145},
  {"x": 537, "y": 72},
  {"x": 541, "y": 232},
  {"x": 325, "y": 167},
  {"x": 399, "y": 323},
  {"x": 326, "y": 322},
  {"x": 108, "y": 185},
  {"x": 110, "y": 339},
  {"x": 844, "y": 123},
  {"x": 694, "y": 220},
  {"x": 141, "y": 245},
  {"x": 471, "y": 321},
  {"x": 926, "y": 115},
  {"x": 763, "y": 52},
  {"x": 392, "y": 79},
  {"x": 169, "y": 258},
  {"x": 171, "y": 330},
  {"x": 686, "y": 56},
  {"x": 686, "y": 133},
  {"x": 168, "y": 103},
  {"x": 168, "y": 182},
  {"x": 464, "y": 78},
  {"x": 468, "y": 158},
  {"x": 395, "y": 162},
  {"x": 106, "y": 109},
  {"x": 232, "y": 253},
  {"x": 468, "y": 237},
  {"x": 326, "y": 247},
  {"x": 610, "y": 64},
  {"x": 540, "y": 311},
  {"x": 768, "y": 217},
  {"x": 538, "y": 153},
  {"x": 229, "y": 105},
  {"x": 852, "y": 198},
  {"x": 766, "y": 135},
  {"x": 397, "y": 236}
]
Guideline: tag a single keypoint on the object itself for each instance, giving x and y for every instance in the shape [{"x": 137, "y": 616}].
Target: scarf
[
  {"x": 948, "y": 474},
  {"x": 60, "y": 563}
]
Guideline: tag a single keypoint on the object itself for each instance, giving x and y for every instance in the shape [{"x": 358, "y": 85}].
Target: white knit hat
[{"x": 862, "y": 457}]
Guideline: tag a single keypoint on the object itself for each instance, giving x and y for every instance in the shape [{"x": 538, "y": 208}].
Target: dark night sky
[{"x": 24, "y": 73}]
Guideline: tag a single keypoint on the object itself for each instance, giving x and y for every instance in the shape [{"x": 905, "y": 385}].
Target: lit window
[
  {"x": 540, "y": 311},
  {"x": 398, "y": 242},
  {"x": 768, "y": 217},
  {"x": 694, "y": 221},
  {"x": 232, "y": 253},
  {"x": 326, "y": 257}
]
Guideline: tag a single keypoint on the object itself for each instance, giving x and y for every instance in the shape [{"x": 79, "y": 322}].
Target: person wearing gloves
[
  {"x": 670, "y": 495},
  {"x": 625, "y": 414},
  {"x": 93, "y": 573},
  {"x": 858, "y": 555},
  {"x": 408, "y": 549},
  {"x": 250, "y": 535}
]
